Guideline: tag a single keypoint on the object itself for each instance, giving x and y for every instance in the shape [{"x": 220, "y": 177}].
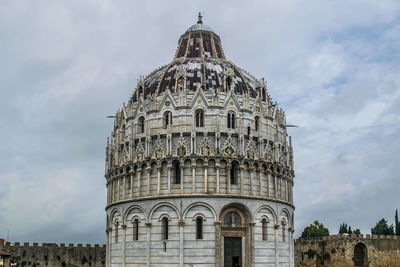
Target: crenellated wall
[
  {"x": 35, "y": 255},
  {"x": 345, "y": 250}
]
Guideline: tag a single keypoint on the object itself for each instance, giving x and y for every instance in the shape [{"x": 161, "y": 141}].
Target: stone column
[
  {"x": 193, "y": 177},
  {"x": 148, "y": 179},
  {"x": 181, "y": 238},
  {"x": 260, "y": 174},
  {"x": 108, "y": 248},
  {"x": 124, "y": 189},
  {"x": 217, "y": 168},
  {"x": 118, "y": 189},
  {"x": 241, "y": 166},
  {"x": 228, "y": 174},
  {"x": 276, "y": 186},
  {"x": 268, "y": 190},
  {"x": 108, "y": 193},
  {"x": 148, "y": 234},
  {"x": 276, "y": 245},
  {"x": 181, "y": 168},
  {"x": 251, "y": 253},
  {"x": 111, "y": 191},
  {"x": 124, "y": 245},
  {"x": 169, "y": 177},
  {"x": 290, "y": 240},
  {"x": 131, "y": 189},
  {"x": 251, "y": 169},
  {"x": 158, "y": 179},
  {"x": 286, "y": 191},
  {"x": 218, "y": 250},
  {"x": 205, "y": 177},
  {"x": 139, "y": 174}
]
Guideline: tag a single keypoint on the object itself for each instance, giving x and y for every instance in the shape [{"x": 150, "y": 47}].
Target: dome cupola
[{"x": 201, "y": 61}]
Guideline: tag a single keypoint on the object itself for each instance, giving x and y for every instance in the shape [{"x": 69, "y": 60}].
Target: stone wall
[
  {"x": 52, "y": 255},
  {"x": 340, "y": 250},
  {"x": 182, "y": 247}
]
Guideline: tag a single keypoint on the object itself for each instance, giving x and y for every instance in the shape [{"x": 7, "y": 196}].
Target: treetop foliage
[
  {"x": 344, "y": 229},
  {"x": 315, "y": 229},
  {"x": 382, "y": 228}
]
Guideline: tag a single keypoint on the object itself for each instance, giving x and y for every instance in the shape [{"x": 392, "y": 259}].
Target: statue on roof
[{"x": 200, "y": 20}]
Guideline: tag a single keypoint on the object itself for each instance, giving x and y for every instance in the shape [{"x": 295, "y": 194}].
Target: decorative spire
[{"x": 200, "y": 20}]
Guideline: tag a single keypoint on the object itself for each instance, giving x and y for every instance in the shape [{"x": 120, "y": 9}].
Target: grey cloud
[{"x": 67, "y": 65}]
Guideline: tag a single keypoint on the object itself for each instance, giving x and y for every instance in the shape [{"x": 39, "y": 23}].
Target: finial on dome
[{"x": 200, "y": 20}]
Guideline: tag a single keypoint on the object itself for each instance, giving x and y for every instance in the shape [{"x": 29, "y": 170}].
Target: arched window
[
  {"x": 231, "y": 120},
  {"x": 164, "y": 228},
  {"x": 167, "y": 119},
  {"x": 248, "y": 130},
  {"x": 141, "y": 125},
  {"x": 199, "y": 118},
  {"x": 257, "y": 123},
  {"x": 177, "y": 172},
  {"x": 233, "y": 173},
  {"x": 122, "y": 134},
  {"x": 232, "y": 219},
  {"x": 199, "y": 228},
  {"x": 135, "y": 229},
  {"x": 264, "y": 225},
  {"x": 180, "y": 84},
  {"x": 229, "y": 83},
  {"x": 116, "y": 231}
]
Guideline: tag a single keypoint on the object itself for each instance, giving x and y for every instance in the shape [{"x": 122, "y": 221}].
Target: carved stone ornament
[
  {"x": 180, "y": 72},
  {"x": 251, "y": 149},
  {"x": 267, "y": 153},
  {"x": 159, "y": 148},
  {"x": 228, "y": 72},
  {"x": 140, "y": 152},
  {"x": 181, "y": 147},
  {"x": 283, "y": 159},
  {"x": 206, "y": 148},
  {"x": 229, "y": 148}
]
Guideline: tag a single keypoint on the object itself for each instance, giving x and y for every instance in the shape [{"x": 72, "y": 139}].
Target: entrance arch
[
  {"x": 360, "y": 255},
  {"x": 235, "y": 232}
]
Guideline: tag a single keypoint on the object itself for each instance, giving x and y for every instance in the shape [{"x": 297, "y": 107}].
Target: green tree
[
  {"x": 315, "y": 229},
  {"x": 397, "y": 223},
  {"x": 345, "y": 229},
  {"x": 382, "y": 228}
]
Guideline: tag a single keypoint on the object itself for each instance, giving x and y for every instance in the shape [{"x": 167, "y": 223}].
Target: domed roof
[
  {"x": 200, "y": 27},
  {"x": 200, "y": 61}
]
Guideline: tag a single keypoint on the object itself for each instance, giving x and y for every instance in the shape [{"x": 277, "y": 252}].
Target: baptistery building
[{"x": 199, "y": 166}]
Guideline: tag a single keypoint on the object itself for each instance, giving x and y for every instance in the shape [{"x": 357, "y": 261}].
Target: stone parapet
[
  {"x": 52, "y": 254},
  {"x": 343, "y": 250}
]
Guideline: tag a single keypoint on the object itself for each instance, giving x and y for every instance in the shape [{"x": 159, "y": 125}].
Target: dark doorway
[
  {"x": 232, "y": 252},
  {"x": 360, "y": 255}
]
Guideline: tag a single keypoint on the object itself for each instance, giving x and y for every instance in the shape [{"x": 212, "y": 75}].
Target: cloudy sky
[{"x": 66, "y": 65}]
